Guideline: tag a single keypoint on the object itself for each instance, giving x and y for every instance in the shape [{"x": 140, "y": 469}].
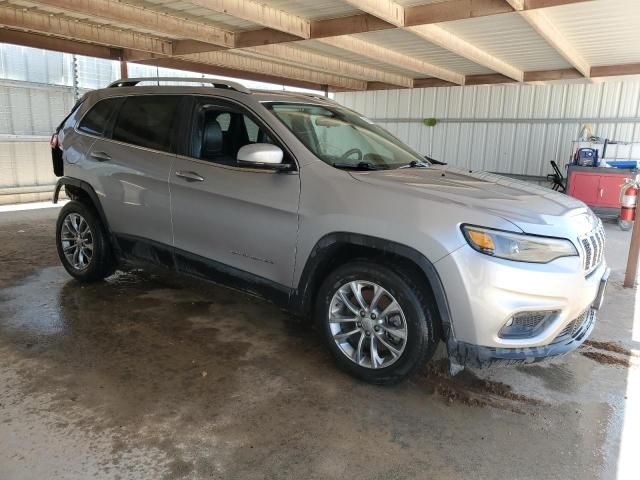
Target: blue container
[{"x": 623, "y": 163}]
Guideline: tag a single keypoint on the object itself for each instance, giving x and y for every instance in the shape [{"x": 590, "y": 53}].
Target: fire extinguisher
[{"x": 628, "y": 196}]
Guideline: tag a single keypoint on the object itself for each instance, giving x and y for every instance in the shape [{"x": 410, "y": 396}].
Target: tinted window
[
  {"x": 95, "y": 121},
  {"x": 147, "y": 121},
  {"x": 224, "y": 119},
  {"x": 219, "y": 132},
  {"x": 252, "y": 129}
]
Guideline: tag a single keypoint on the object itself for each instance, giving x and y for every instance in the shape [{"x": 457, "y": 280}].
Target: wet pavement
[{"x": 158, "y": 376}]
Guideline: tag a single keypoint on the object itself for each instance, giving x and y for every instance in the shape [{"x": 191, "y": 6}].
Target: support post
[
  {"x": 634, "y": 251},
  {"x": 124, "y": 73}
]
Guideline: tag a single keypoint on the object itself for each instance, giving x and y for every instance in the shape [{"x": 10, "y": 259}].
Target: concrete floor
[{"x": 157, "y": 376}]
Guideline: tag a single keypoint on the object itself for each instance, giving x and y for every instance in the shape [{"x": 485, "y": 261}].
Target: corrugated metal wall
[
  {"x": 514, "y": 129},
  {"x": 37, "y": 90}
]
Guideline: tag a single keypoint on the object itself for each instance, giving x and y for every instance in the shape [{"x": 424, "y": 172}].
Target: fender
[
  {"x": 330, "y": 243},
  {"x": 91, "y": 193}
]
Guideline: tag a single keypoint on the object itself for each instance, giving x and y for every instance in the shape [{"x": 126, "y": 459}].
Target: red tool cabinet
[{"x": 598, "y": 187}]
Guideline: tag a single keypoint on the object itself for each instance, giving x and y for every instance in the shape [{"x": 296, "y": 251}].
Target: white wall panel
[
  {"x": 505, "y": 128},
  {"x": 29, "y": 110}
]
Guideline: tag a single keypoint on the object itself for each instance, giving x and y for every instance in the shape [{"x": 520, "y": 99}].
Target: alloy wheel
[
  {"x": 77, "y": 241},
  {"x": 367, "y": 324}
]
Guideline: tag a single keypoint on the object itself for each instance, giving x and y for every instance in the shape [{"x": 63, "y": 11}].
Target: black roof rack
[{"x": 215, "y": 82}]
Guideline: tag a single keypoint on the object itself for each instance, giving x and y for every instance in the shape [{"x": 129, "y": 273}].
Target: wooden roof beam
[
  {"x": 259, "y": 13},
  {"x": 45, "y": 42},
  {"x": 24, "y": 19},
  {"x": 350, "y": 25},
  {"x": 386, "y": 10},
  {"x": 146, "y": 19},
  {"x": 454, "y": 10}
]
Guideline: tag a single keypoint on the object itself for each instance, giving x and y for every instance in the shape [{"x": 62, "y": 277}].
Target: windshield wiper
[
  {"x": 416, "y": 164},
  {"x": 366, "y": 166}
]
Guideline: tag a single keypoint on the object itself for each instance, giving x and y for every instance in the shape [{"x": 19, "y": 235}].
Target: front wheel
[{"x": 378, "y": 324}]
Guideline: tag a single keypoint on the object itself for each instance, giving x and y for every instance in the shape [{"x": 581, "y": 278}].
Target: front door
[{"x": 237, "y": 221}]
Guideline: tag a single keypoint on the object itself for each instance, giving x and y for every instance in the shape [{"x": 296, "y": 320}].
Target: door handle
[
  {"x": 101, "y": 156},
  {"x": 190, "y": 176}
]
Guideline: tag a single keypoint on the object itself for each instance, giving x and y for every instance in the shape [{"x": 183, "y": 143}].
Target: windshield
[{"x": 344, "y": 139}]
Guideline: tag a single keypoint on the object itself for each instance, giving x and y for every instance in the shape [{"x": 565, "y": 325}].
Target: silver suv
[{"x": 296, "y": 199}]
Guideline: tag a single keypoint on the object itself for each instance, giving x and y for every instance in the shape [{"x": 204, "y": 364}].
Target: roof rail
[
  {"x": 317, "y": 96},
  {"x": 216, "y": 82}
]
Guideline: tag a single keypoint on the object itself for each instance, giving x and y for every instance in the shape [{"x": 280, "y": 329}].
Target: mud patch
[
  {"x": 469, "y": 389},
  {"x": 610, "y": 347},
  {"x": 604, "y": 359}
]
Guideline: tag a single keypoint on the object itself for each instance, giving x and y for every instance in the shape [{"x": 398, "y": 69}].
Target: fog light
[{"x": 527, "y": 324}]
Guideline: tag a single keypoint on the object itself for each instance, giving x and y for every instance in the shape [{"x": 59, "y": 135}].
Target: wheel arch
[
  {"x": 335, "y": 248},
  {"x": 80, "y": 190}
]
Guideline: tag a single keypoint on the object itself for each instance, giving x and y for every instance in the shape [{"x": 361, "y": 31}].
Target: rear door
[
  {"x": 229, "y": 216},
  {"x": 131, "y": 164}
]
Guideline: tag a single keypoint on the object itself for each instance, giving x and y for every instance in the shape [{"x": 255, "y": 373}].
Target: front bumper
[
  {"x": 463, "y": 354},
  {"x": 485, "y": 292}
]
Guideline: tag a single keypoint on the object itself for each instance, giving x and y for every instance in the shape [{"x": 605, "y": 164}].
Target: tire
[
  {"x": 416, "y": 316},
  {"x": 625, "y": 225},
  {"x": 98, "y": 261}
]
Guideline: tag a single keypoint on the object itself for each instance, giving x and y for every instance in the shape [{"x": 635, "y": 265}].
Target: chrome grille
[{"x": 593, "y": 248}]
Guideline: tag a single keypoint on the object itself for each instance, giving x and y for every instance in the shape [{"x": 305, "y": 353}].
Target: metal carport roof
[{"x": 345, "y": 45}]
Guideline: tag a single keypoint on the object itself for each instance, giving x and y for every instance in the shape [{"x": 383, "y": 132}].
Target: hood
[{"x": 528, "y": 206}]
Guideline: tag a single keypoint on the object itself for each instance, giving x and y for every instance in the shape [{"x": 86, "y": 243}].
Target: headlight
[{"x": 516, "y": 246}]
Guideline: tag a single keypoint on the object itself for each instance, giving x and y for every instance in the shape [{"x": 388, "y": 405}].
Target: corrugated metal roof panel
[
  {"x": 323, "y": 48},
  {"x": 307, "y": 9},
  {"x": 193, "y": 12},
  {"x": 409, "y": 44},
  {"x": 605, "y": 32},
  {"x": 315, "y": 9},
  {"x": 510, "y": 38}
]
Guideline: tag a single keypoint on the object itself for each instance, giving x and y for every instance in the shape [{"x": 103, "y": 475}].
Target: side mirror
[{"x": 262, "y": 155}]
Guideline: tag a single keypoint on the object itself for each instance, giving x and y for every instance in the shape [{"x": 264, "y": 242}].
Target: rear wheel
[
  {"x": 83, "y": 247},
  {"x": 377, "y": 323}
]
